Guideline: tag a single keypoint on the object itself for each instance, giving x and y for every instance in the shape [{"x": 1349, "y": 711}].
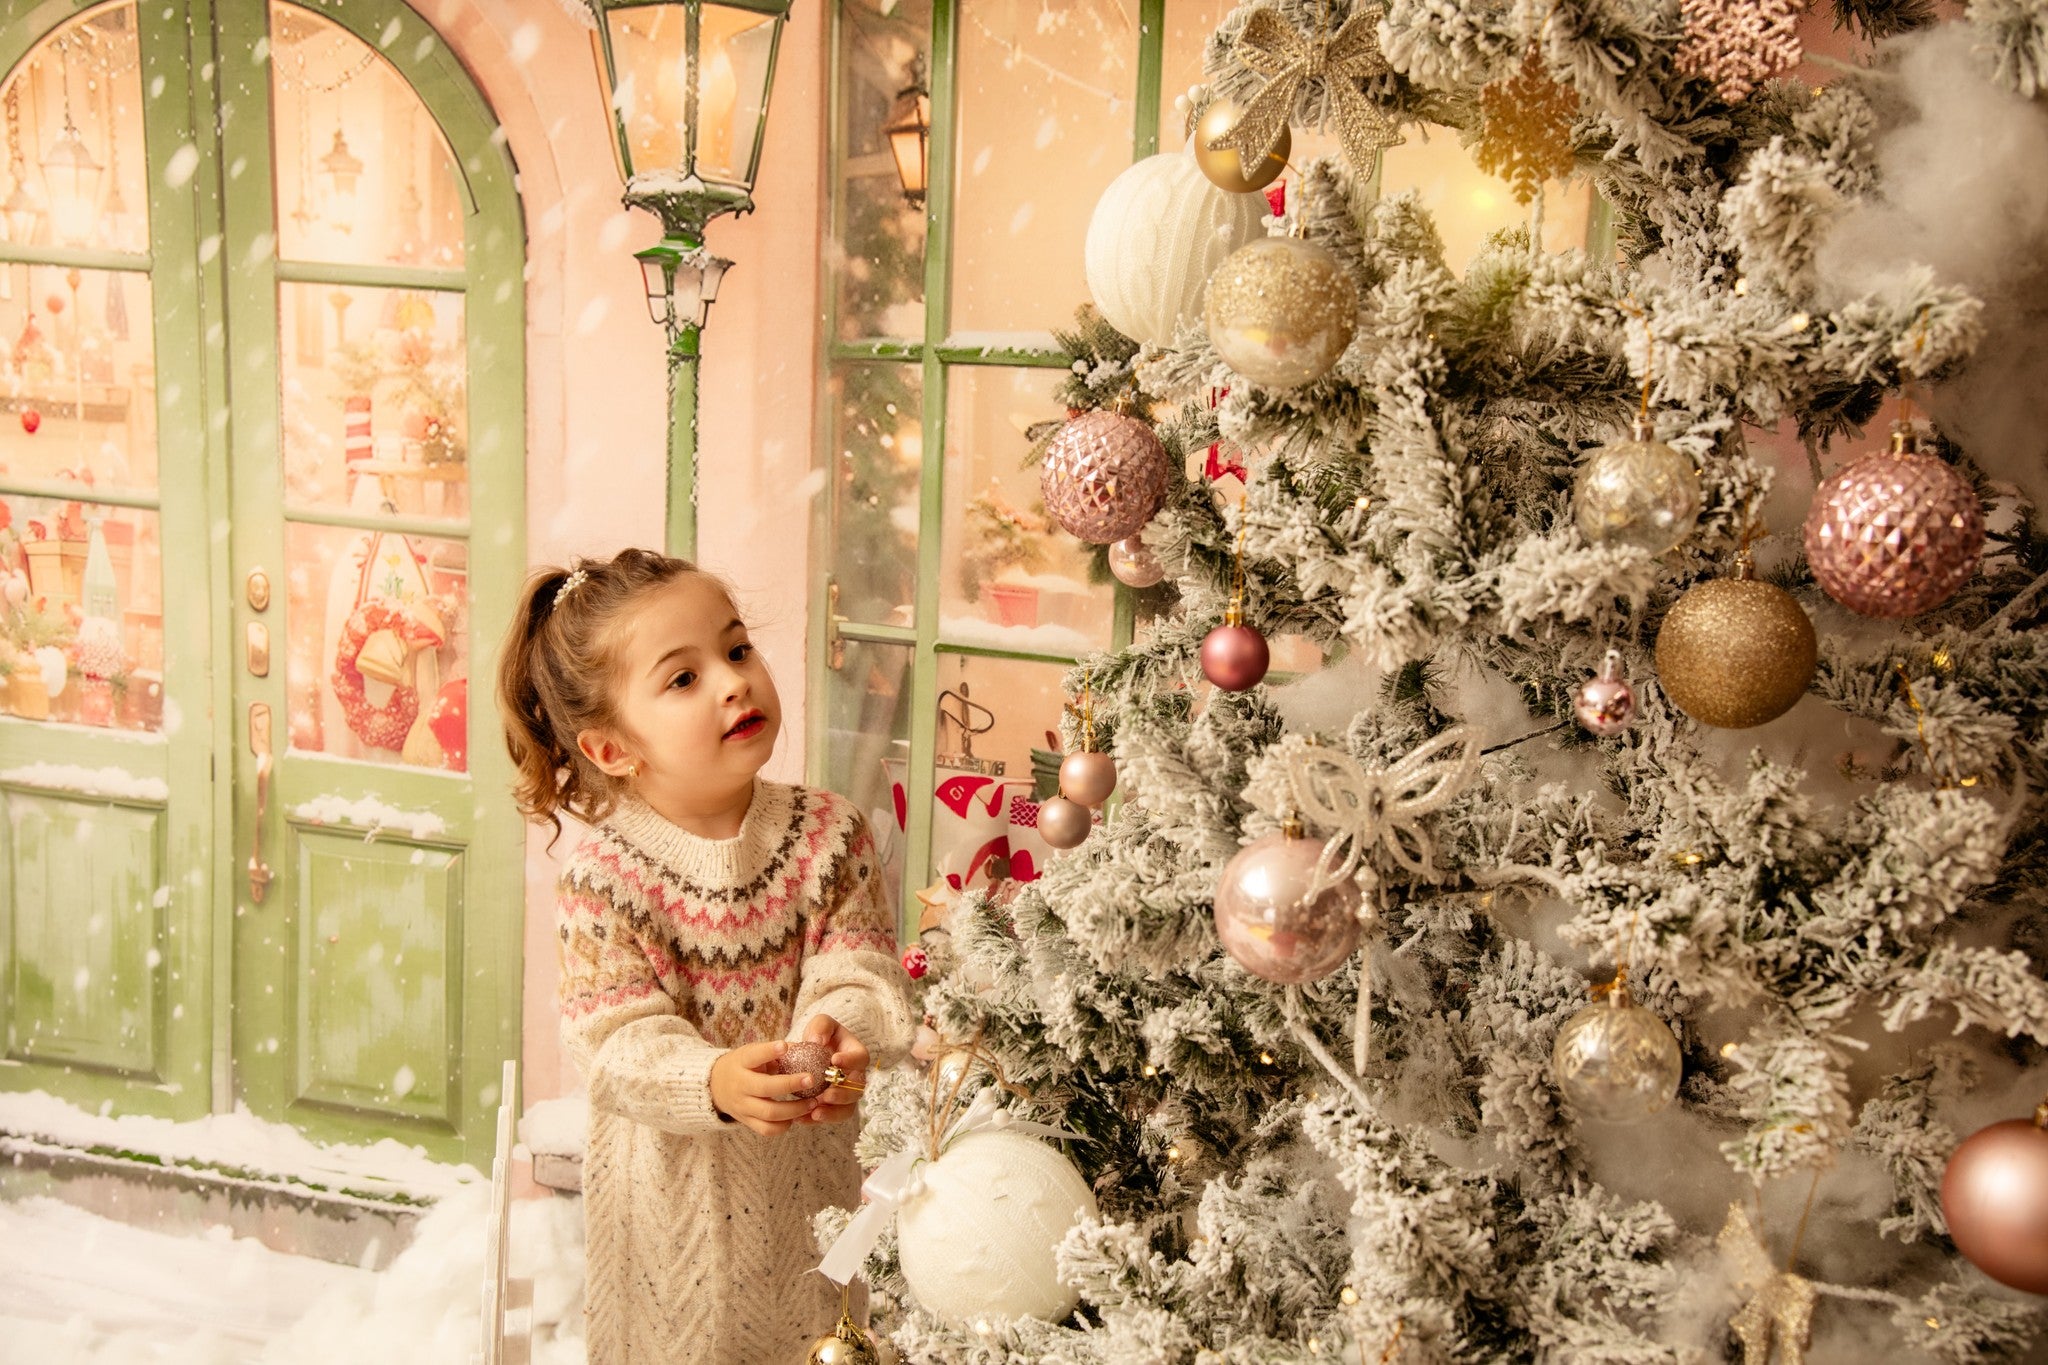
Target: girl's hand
[
  {"x": 850, "y": 1055},
  {"x": 744, "y": 1092}
]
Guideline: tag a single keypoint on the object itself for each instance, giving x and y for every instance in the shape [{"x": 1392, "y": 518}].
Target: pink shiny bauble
[
  {"x": 1134, "y": 565},
  {"x": 1894, "y": 533},
  {"x": 804, "y": 1059},
  {"x": 1235, "y": 658},
  {"x": 1995, "y": 1198},
  {"x": 1088, "y": 778},
  {"x": 1605, "y": 705},
  {"x": 1103, "y": 476},
  {"x": 1063, "y": 823},
  {"x": 1268, "y": 923}
]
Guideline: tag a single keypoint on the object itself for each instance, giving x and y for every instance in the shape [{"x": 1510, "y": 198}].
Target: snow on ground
[{"x": 77, "y": 1289}]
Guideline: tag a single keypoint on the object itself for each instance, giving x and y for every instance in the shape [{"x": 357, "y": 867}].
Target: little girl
[{"x": 709, "y": 916}]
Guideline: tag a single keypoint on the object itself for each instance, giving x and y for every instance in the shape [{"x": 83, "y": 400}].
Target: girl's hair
[{"x": 555, "y": 678}]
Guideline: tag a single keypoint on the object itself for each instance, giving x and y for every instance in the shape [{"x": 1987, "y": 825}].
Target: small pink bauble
[
  {"x": 804, "y": 1059},
  {"x": 17, "y": 589},
  {"x": 1134, "y": 565},
  {"x": 925, "y": 1043},
  {"x": 916, "y": 962},
  {"x": 1103, "y": 476},
  {"x": 1235, "y": 657},
  {"x": 1894, "y": 533},
  {"x": 1605, "y": 705},
  {"x": 1994, "y": 1196},
  {"x": 1267, "y": 921},
  {"x": 1063, "y": 823},
  {"x": 1087, "y": 778}
]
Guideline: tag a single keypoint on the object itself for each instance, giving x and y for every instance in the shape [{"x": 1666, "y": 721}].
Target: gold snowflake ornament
[{"x": 1526, "y": 136}]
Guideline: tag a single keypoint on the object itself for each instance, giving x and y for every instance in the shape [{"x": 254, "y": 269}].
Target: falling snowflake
[
  {"x": 1527, "y": 137},
  {"x": 1738, "y": 44}
]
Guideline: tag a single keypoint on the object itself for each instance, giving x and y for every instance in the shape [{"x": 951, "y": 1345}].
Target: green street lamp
[{"x": 686, "y": 87}]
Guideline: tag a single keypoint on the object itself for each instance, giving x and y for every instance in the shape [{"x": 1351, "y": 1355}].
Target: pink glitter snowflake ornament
[{"x": 1739, "y": 44}]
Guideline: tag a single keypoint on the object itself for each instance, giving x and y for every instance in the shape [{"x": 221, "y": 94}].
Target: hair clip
[{"x": 576, "y": 579}]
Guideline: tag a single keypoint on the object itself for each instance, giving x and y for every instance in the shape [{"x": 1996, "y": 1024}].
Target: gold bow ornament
[
  {"x": 1287, "y": 57},
  {"x": 1777, "y": 1317}
]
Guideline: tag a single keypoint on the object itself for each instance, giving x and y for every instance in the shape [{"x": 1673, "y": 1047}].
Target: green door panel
[
  {"x": 84, "y": 925},
  {"x": 376, "y": 931}
]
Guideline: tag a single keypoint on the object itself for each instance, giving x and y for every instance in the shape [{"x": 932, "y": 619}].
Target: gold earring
[{"x": 634, "y": 771}]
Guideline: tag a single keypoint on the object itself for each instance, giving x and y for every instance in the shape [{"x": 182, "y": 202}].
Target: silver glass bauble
[
  {"x": 1638, "y": 492},
  {"x": 1616, "y": 1061}
]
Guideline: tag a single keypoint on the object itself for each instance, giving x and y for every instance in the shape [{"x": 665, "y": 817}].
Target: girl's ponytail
[{"x": 536, "y": 753}]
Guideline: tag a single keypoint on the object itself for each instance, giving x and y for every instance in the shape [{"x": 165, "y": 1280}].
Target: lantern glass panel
[
  {"x": 650, "y": 59},
  {"x": 733, "y": 98}
]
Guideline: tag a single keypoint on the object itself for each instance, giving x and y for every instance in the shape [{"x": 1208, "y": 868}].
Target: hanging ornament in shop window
[
  {"x": 1289, "y": 57},
  {"x": 1281, "y": 311},
  {"x": 1994, "y": 1197},
  {"x": 1157, "y": 234},
  {"x": 1737, "y": 45},
  {"x": 31, "y": 420},
  {"x": 1103, "y": 477},
  {"x": 916, "y": 962},
  {"x": 1274, "y": 918},
  {"x": 1134, "y": 565},
  {"x": 1226, "y": 167},
  {"x": 1735, "y": 652},
  {"x": 1616, "y": 1061},
  {"x": 1526, "y": 134},
  {"x": 1895, "y": 533},
  {"x": 1605, "y": 705}
]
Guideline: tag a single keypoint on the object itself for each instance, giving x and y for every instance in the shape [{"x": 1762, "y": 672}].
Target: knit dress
[{"x": 675, "y": 948}]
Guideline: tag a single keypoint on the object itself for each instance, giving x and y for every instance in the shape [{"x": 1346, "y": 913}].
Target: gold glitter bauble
[
  {"x": 1734, "y": 652},
  {"x": 1225, "y": 168},
  {"x": 1280, "y": 311}
]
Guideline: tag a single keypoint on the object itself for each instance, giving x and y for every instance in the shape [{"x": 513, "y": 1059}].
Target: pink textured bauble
[
  {"x": 916, "y": 962},
  {"x": 1605, "y": 705},
  {"x": 804, "y": 1059},
  {"x": 1235, "y": 658},
  {"x": 1267, "y": 920},
  {"x": 1894, "y": 533},
  {"x": 1088, "y": 778},
  {"x": 1063, "y": 823},
  {"x": 1103, "y": 476},
  {"x": 1134, "y": 565},
  {"x": 1994, "y": 1196}
]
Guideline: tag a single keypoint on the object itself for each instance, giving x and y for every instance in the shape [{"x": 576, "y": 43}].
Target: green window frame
[{"x": 937, "y": 353}]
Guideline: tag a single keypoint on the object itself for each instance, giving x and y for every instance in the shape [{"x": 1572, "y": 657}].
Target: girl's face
[{"x": 697, "y": 711}]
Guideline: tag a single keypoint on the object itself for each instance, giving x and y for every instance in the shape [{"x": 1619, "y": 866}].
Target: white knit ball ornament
[
  {"x": 1158, "y": 232},
  {"x": 978, "y": 1240}
]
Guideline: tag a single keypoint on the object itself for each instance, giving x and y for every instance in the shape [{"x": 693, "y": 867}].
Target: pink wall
[{"x": 596, "y": 388}]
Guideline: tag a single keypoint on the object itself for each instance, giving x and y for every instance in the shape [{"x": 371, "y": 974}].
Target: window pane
[
  {"x": 77, "y": 377},
  {"x": 1188, "y": 26},
  {"x": 867, "y": 744},
  {"x": 1011, "y": 579},
  {"x": 978, "y": 815},
  {"x": 375, "y": 397},
  {"x": 877, "y": 452},
  {"x": 75, "y": 172},
  {"x": 81, "y": 613},
  {"x": 377, "y": 662},
  {"x": 1046, "y": 120},
  {"x": 880, "y": 256},
  {"x": 1469, "y": 204},
  {"x": 363, "y": 176}
]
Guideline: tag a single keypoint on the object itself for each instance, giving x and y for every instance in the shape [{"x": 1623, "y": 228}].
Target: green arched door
[{"x": 272, "y": 257}]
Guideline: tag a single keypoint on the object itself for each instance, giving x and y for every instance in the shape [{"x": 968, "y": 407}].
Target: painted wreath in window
[{"x": 379, "y": 640}]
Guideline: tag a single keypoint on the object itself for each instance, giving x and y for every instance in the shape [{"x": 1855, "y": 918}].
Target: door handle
[
  {"x": 835, "y": 643},
  {"x": 260, "y": 875}
]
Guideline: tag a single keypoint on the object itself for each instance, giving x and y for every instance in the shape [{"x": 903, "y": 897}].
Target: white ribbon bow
[
  {"x": 898, "y": 1180},
  {"x": 1378, "y": 810}
]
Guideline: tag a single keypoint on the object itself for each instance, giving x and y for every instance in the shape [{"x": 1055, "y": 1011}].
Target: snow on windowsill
[
  {"x": 240, "y": 1146},
  {"x": 71, "y": 778},
  {"x": 1064, "y": 641},
  {"x": 1001, "y": 341},
  {"x": 370, "y": 815}
]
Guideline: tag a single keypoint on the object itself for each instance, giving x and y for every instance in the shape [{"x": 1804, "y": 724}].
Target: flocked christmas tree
[{"x": 1603, "y": 957}]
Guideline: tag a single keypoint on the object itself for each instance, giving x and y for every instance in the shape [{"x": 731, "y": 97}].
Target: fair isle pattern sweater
[{"x": 675, "y": 948}]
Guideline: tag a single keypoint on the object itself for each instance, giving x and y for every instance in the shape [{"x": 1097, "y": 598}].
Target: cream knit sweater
[{"x": 675, "y": 948}]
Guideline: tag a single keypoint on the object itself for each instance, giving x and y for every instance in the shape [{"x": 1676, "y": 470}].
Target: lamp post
[{"x": 686, "y": 87}]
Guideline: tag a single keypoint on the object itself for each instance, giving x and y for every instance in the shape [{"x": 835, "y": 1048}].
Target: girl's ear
[{"x": 602, "y": 748}]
